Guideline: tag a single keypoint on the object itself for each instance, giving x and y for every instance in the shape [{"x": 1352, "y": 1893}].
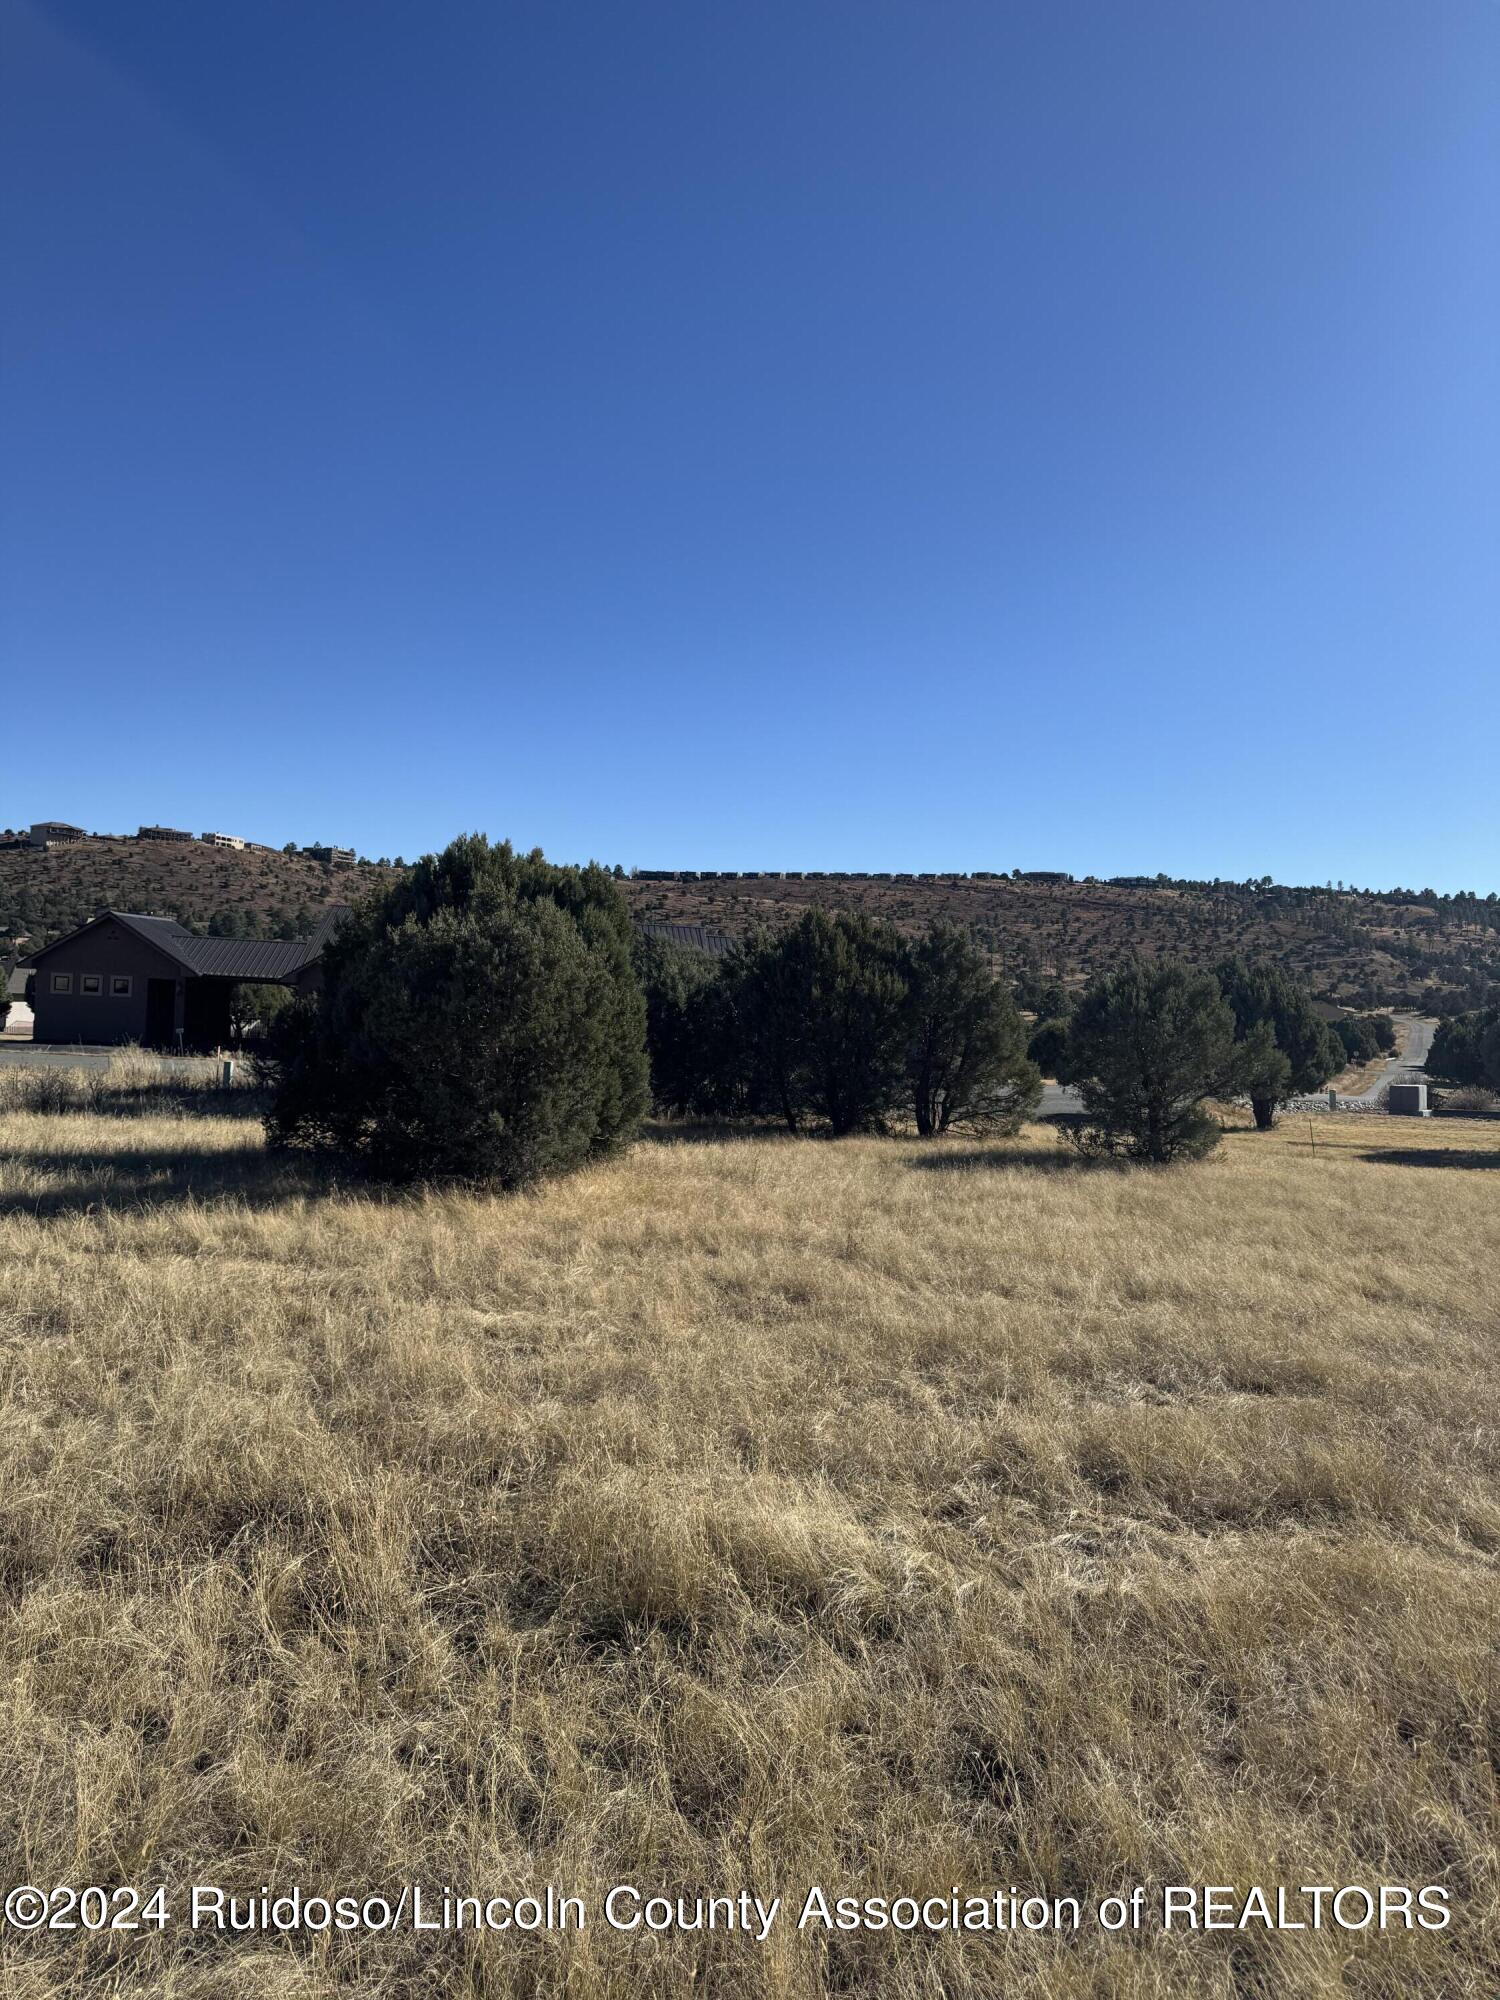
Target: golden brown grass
[{"x": 752, "y": 1514}]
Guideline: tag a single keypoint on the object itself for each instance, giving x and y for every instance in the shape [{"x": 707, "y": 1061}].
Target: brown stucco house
[{"x": 129, "y": 978}]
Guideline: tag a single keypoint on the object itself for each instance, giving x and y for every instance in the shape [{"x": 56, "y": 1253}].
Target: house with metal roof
[{"x": 130, "y": 978}]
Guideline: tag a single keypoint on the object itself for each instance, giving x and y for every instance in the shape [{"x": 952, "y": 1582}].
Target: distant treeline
[
  {"x": 493, "y": 1018},
  {"x": 840, "y": 1021}
]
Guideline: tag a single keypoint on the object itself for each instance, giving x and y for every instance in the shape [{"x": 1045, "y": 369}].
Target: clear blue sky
[{"x": 822, "y": 433}]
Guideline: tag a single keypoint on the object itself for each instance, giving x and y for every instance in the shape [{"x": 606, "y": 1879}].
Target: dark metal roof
[
  {"x": 162, "y": 933},
  {"x": 165, "y": 933},
  {"x": 219, "y": 958},
  {"x": 692, "y": 937},
  {"x": 245, "y": 958}
]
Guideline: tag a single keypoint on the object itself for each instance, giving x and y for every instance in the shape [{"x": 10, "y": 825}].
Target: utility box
[{"x": 1407, "y": 1100}]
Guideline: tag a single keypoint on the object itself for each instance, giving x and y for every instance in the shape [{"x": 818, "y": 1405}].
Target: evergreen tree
[
  {"x": 1458, "y": 1048},
  {"x": 1297, "y": 1052},
  {"x": 966, "y": 1054},
  {"x": 1358, "y": 1036},
  {"x": 1048, "y": 1046},
  {"x": 819, "y": 1012},
  {"x": 671, "y": 976},
  {"x": 1147, "y": 1045},
  {"x": 477, "y": 1020},
  {"x": 254, "y": 1008}
]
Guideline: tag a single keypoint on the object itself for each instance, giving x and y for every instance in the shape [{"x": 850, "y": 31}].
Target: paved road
[{"x": 1405, "y": 1067}]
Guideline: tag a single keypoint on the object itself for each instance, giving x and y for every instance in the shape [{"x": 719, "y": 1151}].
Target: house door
[{"x": 161, "y": 1011}]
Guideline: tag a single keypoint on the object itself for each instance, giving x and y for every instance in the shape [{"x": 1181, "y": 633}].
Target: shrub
[
  {"x": 1147, "y": 1045},
  {"x": 479, "y": 1020},
  {"x": 966, "y": 1057},
  {"x": 1471, "y": 1098}
]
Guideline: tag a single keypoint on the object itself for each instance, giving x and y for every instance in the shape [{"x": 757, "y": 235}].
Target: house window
[
  {"x": 91, "y": 982},
  {"x": 119, "y": 985},
  {"x": 62, "y": 982}
]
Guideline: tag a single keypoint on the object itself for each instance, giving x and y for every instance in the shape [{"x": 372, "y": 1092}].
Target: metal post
[{"x": 228, "y": 1073}]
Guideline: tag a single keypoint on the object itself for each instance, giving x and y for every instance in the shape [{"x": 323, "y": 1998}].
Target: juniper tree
[
  {"x": 1048, "y": 1046},
  {"x": 1147, "y": 1044},
  {"x": 671, "y": 977},
  {"x": 478, "y": 1020},
  {"x": 1297, "y": 1051},
  {"x": 818, "y": 1019},
  {"x": 966, "y": 1051},
  {"x": 1458, "y": 1052}
]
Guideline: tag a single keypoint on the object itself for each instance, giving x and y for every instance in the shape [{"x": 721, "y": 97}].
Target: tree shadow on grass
[
  {"x": 1035, "y": 1159},
  {"x": 1437, "y": 1156},
  {"x": 65, "y": 1183}
]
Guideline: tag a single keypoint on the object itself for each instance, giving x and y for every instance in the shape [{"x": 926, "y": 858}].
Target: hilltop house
[{"x": 130, "y": 978}]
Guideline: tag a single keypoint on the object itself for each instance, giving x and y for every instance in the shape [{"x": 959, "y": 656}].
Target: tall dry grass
[
  {"x": 752, "y": 1514},
  {"x": 132, "y": 1081}
]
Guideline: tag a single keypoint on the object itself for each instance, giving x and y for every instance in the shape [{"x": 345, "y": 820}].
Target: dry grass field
[{"x": 750, "y": 1514}]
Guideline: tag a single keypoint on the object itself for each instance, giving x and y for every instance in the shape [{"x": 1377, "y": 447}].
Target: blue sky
[{"x": 831, "y": 434}]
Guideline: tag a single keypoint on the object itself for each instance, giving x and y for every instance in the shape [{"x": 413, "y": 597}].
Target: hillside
[
  {"x": 47, "y": 892},
  {"x": 1360, "y": 947}
]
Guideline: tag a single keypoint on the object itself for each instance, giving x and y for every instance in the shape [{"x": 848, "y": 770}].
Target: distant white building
[{"x": 223, "y": 840}]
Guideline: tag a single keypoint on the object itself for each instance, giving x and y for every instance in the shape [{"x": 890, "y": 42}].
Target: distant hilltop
[
  {"x": 844, "y": 875},
  {"x": 55, "y": 876},
  {"x": 50, "y": 833},
  {"x": 1364, "y": 948}
]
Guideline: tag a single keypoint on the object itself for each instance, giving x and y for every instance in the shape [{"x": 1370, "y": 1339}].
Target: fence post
[
  {"x": 228, "y": 1078},
  {"x": 1333, "y": 1100}
]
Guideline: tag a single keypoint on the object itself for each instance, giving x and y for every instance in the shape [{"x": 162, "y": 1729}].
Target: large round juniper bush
[{"x": 480, "y": 1020}]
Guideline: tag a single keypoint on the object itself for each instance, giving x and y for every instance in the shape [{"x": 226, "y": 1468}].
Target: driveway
[{"x": 1414, "y": 1034}]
